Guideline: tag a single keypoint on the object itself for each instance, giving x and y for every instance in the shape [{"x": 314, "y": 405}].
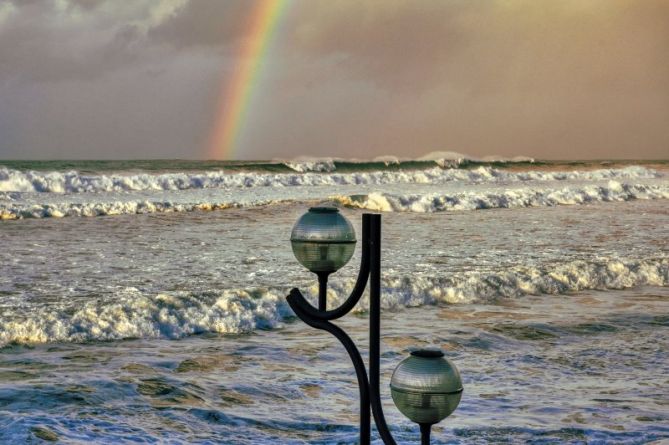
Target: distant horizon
[{"x": 333, "y": 158}]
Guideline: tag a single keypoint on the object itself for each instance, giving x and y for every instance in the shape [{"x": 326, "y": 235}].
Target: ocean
[{"x": 144, "y": 301}]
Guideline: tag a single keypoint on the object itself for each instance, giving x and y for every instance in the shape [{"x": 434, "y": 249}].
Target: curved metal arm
[
  {"x": 353, "y": 352},
  {"x": 358, "y": 289},
  {"x": 370, "y": 270}
]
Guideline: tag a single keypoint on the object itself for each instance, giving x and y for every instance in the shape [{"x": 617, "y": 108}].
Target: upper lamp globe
[
  {"x": 323, "y": 240},
  {"x": 426, "y": 387}
]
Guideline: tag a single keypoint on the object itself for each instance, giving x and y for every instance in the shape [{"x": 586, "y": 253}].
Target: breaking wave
[
  {"x": 509, "y": 198},
  {"x": 383, "y": 202},
  {"x": 316, "y": 165},
  {"x": 109, "y": 208},
  {"x": 74, "y": 182},
  {"x": 133, "y": 314}
]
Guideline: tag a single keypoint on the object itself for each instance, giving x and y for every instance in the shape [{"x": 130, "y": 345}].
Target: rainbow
[{"x": 237, "y": 91}]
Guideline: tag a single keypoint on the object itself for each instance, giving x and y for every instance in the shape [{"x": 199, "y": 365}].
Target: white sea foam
[
  {"x": 74, "y": 182},
  {"x": 506, "y": 198},
  {"x": 133, "y": 314},
  {"x": 452, "y": 159},
  {"x": 378, "y": 201},
  {"x": 311, "y": 165},
  {"x": 107, "y": 208}
]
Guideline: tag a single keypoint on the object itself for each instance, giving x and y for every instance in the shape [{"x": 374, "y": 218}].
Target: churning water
[{"x": 130, "y": 313}]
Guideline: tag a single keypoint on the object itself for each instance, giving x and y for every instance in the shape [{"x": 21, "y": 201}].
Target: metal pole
[
  {"x": 323, "y": 291},
  {"x": 375, "y": 330},
  {"x": 425, "y": 429}
]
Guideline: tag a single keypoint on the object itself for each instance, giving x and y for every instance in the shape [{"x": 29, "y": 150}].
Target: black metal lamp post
[{"x": 426, "y": 387}]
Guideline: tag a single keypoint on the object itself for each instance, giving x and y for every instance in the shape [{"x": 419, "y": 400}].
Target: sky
[{"x": 143, "y": 79}]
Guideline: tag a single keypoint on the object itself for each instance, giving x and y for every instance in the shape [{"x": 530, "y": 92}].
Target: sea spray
[
  {"x": 135, "y": 314},
  {"x": 59, "y": 210},
  {"x": 74, "y": 182},
  {"x": 507, "y": 198}
]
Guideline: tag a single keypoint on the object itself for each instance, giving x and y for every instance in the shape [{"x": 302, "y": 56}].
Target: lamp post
[{"x": 426, "y": 387}]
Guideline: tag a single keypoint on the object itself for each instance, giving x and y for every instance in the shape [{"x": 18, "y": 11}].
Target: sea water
[{"x": 145, "y": 302}]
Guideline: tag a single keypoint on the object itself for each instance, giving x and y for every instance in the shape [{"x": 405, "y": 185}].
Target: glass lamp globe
[
  {"x": 426, "y": 387},
  {"x": 323, "y": 240}
]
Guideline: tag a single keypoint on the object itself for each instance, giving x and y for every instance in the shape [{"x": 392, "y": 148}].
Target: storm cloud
[{"x": 560, "y": 79}]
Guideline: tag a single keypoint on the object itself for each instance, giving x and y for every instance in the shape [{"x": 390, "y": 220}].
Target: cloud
[
  {"x": 76, "y": 39},
  {"x": 7, "y": 9},
  {"x": 80, "y": 79},
  {"x": 550, "y": 78},
  {"x": 489, "y": 45},
  {"x": 211, "y": 24}
]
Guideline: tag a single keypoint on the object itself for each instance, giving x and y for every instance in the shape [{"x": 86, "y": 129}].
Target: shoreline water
[{"x": 571, "y": 360}]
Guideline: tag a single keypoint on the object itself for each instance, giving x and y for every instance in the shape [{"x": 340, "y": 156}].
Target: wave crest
[
  {"x": 133, "y": 314},
  {"x": 109, "y": 208},
  {"x": 513, "y": 198},
  {"x": 383, "y": 202},
  {"x": 316, "y": 165},
  {"x": 74, "y": 182}
]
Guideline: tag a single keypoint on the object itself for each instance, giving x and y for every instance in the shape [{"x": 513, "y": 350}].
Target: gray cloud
[
  {"x": 78, "y": 40},
  {"x": 213, "y": 24},
  {"x": 550, "y": 79}
]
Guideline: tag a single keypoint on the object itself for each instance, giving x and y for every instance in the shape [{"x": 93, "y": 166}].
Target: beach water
[{"x": 146, "y": 303}]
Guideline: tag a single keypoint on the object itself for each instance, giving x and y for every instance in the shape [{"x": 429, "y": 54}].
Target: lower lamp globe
[{"x": 426, "y": 387}]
